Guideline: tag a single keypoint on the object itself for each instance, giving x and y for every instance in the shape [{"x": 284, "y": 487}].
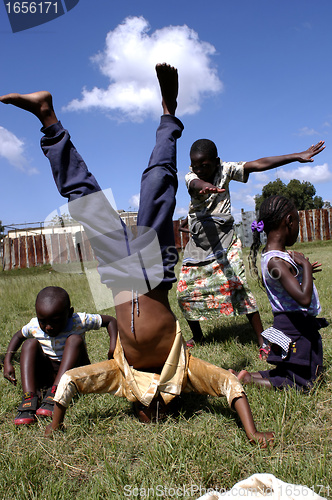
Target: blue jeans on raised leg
[{"x": 125, "y": 263}]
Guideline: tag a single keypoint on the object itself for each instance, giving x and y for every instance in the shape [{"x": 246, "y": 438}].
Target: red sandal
[
  {"x": 190, "y": 343},
  {"x": 264, "y": 351}
]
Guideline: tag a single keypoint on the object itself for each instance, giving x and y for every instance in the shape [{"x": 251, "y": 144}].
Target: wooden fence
[
  {"x": 62, "y": 248},
  {"x": 40, "y": 249},
  {"x": 315, "y": 224}
]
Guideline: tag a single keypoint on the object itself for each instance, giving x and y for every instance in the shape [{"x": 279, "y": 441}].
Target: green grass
[{"x": 106, "y": 453}]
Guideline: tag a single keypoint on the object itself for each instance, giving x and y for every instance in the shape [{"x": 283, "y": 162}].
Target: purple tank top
[{"x": 279, "y": 299}]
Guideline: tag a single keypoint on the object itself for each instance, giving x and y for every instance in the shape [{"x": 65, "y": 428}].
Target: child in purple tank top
[{"x": 295, "y": 345}]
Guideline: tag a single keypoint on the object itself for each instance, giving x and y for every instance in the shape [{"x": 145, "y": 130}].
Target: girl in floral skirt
[{"x": 212, "y": 280}]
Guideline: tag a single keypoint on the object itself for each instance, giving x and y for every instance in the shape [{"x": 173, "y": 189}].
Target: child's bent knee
[
  {"x": 30, "y": 344},
  {"x": 74, "y": 341}
]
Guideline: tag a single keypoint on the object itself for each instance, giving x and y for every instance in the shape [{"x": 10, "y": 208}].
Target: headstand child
[
  {"x": 295, "y": 342},
  {"x": 53, "y": 342},
  {"x": 212, "y": 280},
  {"x": 150, "y": 360}
]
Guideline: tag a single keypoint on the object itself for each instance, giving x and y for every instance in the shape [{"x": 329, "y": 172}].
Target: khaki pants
[{"x": 106, "y": 377}]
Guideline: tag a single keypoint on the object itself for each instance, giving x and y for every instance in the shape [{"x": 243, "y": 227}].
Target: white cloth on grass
[{"x": 267, "y": 485}]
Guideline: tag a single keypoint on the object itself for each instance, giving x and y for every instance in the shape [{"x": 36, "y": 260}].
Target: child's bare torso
[{"x": 148, "y": 346}]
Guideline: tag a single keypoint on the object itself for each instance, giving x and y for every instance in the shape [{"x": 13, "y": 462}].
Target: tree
[
  {"x": 2, "y": 231},
  {"x": 302, "y": 193},
  {"x": 61, "y": 220},
  {"x": 274, "y": 187}
]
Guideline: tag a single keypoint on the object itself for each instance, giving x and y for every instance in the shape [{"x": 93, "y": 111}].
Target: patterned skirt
[{"x": 216, "y": 288}]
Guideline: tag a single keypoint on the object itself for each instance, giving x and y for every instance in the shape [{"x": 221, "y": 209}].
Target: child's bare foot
[
  {"x": 264, "y": 439},
  {"x": 256, "y": 378},
  {"x": 37, "y": 103},
  {"x": 243, "y": 375},
  {"x": 169, "y": 87}
]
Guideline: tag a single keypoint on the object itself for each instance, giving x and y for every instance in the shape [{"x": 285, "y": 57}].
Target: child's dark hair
[
  {"x": 271, "y": 213},
  {"x": 204, "y": 146},
  {"x": 50, "y": 294}
]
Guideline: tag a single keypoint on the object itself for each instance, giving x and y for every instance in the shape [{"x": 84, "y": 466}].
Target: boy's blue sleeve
[{"x": 93, "y": 321}]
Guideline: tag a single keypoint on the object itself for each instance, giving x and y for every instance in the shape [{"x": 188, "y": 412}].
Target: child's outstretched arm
[
  {"x": 8, "y": 368},
  {"x": 198, "y": 186},
  {"x": 277, "y": 161}
]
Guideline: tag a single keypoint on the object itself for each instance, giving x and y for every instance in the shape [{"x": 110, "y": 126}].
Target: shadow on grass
[
  {"x": 188, "y": 405},
  {"x": 242, "y": 363},
  {"x": 118, "y": 408},
  {"x": 185, "y": 406},
  {"x": 242, "y": 332}
]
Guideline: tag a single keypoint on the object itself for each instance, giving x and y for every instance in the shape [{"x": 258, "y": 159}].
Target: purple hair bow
[{"x": 257, "y": 226}]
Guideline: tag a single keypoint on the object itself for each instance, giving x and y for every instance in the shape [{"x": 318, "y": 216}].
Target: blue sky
[{"x": 255, "y": 77}]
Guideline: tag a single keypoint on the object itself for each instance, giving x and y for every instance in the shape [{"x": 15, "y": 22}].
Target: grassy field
[{"x": 105, "y": 453}]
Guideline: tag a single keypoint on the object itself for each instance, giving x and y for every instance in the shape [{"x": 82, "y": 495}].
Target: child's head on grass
[
  {"x": 53, "y": 310},
  {"x": 204, "y": 159}
]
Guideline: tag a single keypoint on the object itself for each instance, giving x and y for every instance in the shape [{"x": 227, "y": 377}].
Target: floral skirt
[{"x": 216, "y": 288}]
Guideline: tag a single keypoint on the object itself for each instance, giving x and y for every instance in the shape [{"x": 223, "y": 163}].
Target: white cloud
[
  {"x": 134, "y": 201},
  {"x": 307, "y": 131},
  {"x": 258, "y": 180},
  {"x": 247, "y": 200},
  {"x": 12, "y": 148},
  {"x": 128, "y": 61},
  {"x": 316, "y": 174},
  {"x": 181, "y": 211},
  {"x": 242, "y": 195}
]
